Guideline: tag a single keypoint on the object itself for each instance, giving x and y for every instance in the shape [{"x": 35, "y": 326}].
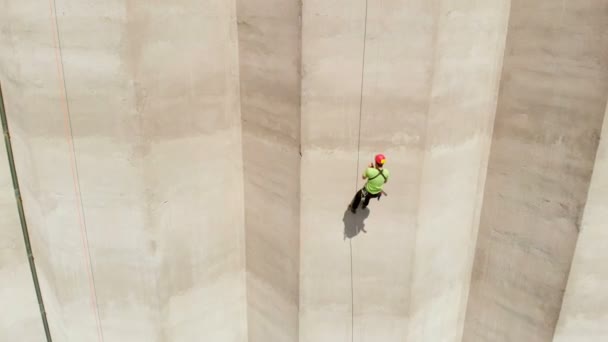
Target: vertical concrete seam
[
  {"x": 435, "y": 13},
  {"x": 603, "y": 136},
  {"x": 598, "y": 150},
  {"x": 74, "y": 167},
  {"x": 581, "y": 211},
  {"x": 299, "y": 168},
  {"x": 302, "y": 72},
  {"x": 23, "y": 221},
  {"x": 244, "y": 209}
]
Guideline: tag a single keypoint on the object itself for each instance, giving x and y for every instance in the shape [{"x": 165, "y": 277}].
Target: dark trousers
[{"x": 366, "y": 198}]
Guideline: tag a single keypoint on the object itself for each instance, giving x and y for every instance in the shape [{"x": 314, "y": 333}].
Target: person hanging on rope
[{"x": 376, "y": 176}]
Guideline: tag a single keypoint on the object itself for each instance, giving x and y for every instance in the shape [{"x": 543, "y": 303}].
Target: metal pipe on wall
[{"x": 26, "y": 236}]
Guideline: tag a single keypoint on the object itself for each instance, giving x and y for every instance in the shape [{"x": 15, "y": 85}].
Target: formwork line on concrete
[{"x": 69, "y": 135}]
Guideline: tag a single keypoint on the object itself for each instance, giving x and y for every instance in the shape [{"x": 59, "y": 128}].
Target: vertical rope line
[
  {"x": 74, "y": 166},
  {"x": 352, "y": 294},
  {"x": 361, "y": 95},
  {"x": 352, "y": 283}
]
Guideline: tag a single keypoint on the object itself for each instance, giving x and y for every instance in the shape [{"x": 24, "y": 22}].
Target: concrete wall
[
  {"x": 468, "y": 47},
  {"x": 421, "y": 60},
  {"x": 551, "y": 105},
  {"x": 22, "y": 321},
  {"x": 584, "y": 312},
  {"x": 364, "y": 279},
  {"x": 159, "y": 154},
  {"x": 140, "y": 194},
  {"x": 269, "y": 45}
]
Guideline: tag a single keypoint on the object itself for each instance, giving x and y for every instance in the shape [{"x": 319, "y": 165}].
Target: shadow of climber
[{"x": 354, "y": 223}]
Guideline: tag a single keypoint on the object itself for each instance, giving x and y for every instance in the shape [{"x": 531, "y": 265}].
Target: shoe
[
  {"x": 364, "y": 207},
  {"x": 353, "y": 210}
]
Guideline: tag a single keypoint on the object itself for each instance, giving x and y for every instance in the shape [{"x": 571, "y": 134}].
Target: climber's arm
[{"x": 365, "y": 173}]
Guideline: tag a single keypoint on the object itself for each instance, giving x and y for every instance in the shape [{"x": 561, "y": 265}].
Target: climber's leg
[
  {"x": 368, "y": 198},
  {"x": 356, "y": 200}
]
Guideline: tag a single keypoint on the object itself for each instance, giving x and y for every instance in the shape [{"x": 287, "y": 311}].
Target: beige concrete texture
[
  {"x": 428, "y": 102},
  {"x": 186, "y": 168},
  {"x": 269, "y": 55},
  {"x": 548, "y": 121},
  {"x": 584, "y": 312},
  {"x": 469, "y": 45},
  {"x": 127, "y": 141},
  {"x": 354, "y": 286}
]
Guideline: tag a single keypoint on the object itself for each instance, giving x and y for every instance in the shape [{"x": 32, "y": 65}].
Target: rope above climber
[{"x": 376, "y": 176}]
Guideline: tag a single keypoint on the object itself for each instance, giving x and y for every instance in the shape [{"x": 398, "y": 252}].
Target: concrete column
[
  {"x": 186, "y": 67},
  {"x": 584, "y": 312},
  {"x": 467, "y": 62},
  {"x": 136, "y": 211},
  {"x": 422, "y": 59},
  {"x": 332, "y": 41},
  {"x": 550, "y": 109},
  {"x": 356, "y": 284},
  {"x": 396, "y": 79},
  {"x": 269, "y": 46}
]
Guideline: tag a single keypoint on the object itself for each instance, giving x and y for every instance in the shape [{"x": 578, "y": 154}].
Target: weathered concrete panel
[
  {"x": 269, "y": 56},
  {"x": 138, "y": 229},
  {"x": 467, "y": 64},
  {"x": 363, "y": 279},
  {"x": 584, "y": 312},
  {"x": 551, "y": 103}
]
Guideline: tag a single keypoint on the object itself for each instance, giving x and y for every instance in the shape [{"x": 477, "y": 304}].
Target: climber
[{"x": 376, "y": 176}]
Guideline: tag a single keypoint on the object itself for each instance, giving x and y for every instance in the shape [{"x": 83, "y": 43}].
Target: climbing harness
[
  {"x": 364, "y": 192},
  {"x": 380, "y": 173}
]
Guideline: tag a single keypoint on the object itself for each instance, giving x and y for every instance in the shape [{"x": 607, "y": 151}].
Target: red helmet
[{"x": 380, "y": 159}]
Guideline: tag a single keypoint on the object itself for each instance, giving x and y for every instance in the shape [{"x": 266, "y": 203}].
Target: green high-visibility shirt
[{"x": 374, "y": 186}]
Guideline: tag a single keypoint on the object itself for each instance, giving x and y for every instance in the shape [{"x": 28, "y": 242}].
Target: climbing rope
[
  {"x": 352, "y": 283},
  {"x": 361, "y": 95}
]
